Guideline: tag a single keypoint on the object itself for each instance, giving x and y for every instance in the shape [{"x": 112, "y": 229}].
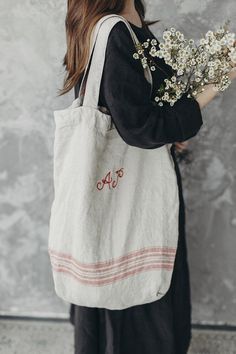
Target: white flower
[
  {"x": 209, "y": 34},
  {"x": 166, "y": 36},
  {"x": 168, "y": 41},
  {"x": 194, "y": 65},
  {"x": 211, "y": 73},
  {"x": 202, "y": 41},
  {"x": 198, "y": 73},
  {"x": 165, "y": 96},
  {"x": 223, "y": 41},
  {"x": 211, "y": 63},
  {"x": 167, "y": 56},
  {"x": 159, "y": 53},
  {"x": 212, "y": 50},
  {"x": 153, "y": 51},
  {"x": 220, "y": 30},
  {"x": 153, "y": 42},
  {"x": 180, "y": 72},
  {"x": 217, "y": 47}
]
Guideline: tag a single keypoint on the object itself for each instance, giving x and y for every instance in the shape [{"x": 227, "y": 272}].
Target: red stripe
[
  {"x": 136, "y": 260},
  {"x": 104, "y": 264},
  {"x": 116, "y": 271},
  {"x": 65, "y": 269}
]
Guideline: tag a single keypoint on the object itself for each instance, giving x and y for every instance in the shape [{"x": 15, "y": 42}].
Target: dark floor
[{"x": 50, "y": 337}]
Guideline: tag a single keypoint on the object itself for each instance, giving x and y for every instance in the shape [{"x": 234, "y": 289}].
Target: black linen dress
[{"x": 162, "y": 326}]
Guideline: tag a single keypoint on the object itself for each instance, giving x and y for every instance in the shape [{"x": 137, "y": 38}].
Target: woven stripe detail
[{"x": 106, "y": 272}]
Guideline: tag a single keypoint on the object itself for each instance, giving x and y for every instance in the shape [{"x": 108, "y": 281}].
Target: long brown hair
[{"x": 81, "y": 16}]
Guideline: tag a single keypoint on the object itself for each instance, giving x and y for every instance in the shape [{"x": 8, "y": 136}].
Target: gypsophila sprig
[{"x": 193, "y": 64}]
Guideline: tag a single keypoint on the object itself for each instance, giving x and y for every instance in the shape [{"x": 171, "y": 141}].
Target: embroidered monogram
[{"x": 112, "y": 183}]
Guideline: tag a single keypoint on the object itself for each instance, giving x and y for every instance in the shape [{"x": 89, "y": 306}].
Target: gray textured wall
[{"x": 33, "y": 40}]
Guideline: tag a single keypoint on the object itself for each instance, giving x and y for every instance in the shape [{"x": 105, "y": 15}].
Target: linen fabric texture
[{"x": 113, "y": 228}]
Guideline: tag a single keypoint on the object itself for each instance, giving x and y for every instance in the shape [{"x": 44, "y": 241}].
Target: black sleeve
[{"x": 126, "y": 92}]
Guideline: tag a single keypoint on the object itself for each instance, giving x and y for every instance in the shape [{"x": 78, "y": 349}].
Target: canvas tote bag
[{"x": 113, "y": 228}]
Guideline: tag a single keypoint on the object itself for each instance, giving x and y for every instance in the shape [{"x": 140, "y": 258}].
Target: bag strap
[
  {"x": 93, "y": 39},
  {"x": 94, "y": 69}
]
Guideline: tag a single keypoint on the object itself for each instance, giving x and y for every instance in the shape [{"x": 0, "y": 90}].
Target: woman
[{"x": 162, "y": 326}]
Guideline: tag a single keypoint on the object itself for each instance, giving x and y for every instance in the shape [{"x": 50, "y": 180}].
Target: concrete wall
[{"x": 33, "y": 39}]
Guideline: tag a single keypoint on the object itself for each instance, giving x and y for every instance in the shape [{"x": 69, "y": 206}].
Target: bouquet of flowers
[{"x": 193, "y": 64}]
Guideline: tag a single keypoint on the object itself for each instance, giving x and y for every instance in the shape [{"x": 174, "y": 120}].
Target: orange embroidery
[{"x": 112, "y": 183}]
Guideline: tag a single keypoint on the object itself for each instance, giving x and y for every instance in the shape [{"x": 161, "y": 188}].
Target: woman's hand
[
  {"x": 210, "y": 90},
  {"x": 181, "y": 146},
  {"x": 232, "y": 73}
]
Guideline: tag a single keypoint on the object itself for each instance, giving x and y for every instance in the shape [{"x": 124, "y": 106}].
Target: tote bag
[{"x": 113, "y": 228}]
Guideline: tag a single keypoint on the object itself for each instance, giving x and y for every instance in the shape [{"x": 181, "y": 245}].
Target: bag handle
[
  {"x": 97, "y": 57},
  {"x": 93, "y": 39}
]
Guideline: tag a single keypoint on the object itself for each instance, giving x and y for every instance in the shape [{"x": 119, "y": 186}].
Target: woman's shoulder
[
  {"x": 120, "y": 35},
  {"x": 120, "y": 45}
]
